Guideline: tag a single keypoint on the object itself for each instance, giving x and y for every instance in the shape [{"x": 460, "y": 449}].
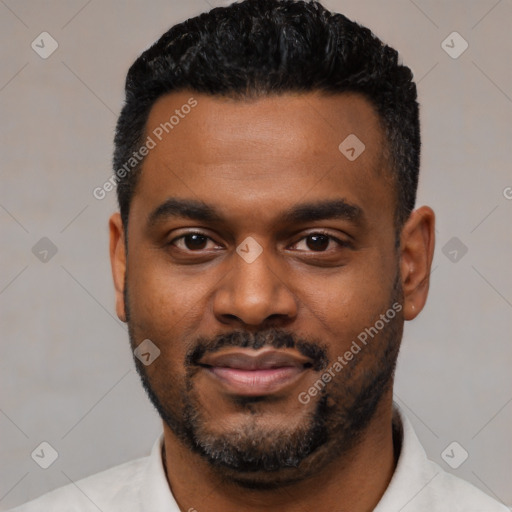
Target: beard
[{"x": 261, "y": 455}]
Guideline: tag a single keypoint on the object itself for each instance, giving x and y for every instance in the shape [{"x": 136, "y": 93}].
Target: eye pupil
[
  {"x": 319, "y": 242},
  {"x": 198, "y": 241}
]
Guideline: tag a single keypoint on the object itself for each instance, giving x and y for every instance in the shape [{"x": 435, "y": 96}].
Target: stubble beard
[{"x": 258, "y": 456}]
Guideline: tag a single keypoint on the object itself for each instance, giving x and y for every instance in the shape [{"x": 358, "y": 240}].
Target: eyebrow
[{"x": 193, "y": 209}]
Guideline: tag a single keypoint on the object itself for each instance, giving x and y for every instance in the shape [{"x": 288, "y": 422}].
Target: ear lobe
[
  {"x": 118, "y": 261},
  {"x": 417, "y": 242}
]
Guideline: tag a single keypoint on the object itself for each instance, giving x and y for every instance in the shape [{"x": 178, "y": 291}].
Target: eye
[
  {"x": 320, "y": 242},
  {"x": 192, "y": 241},
  {"x": 314, "y": 242}
]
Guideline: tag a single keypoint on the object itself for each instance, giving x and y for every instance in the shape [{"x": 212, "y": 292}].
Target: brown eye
[
  {"x": 195, "y": 241},
  {"x": 191, "y": 242},
  {"x": 318, "y": 242}
]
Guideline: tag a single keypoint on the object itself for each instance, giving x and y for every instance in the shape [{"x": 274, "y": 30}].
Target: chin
[{"x": 268, "y": 480}]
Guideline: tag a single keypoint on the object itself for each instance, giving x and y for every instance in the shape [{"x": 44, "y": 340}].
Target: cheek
[
  {"x": 162, "y": 296},
  {"x": 166, "y": 305},
  {"x": 350, "y": 300}
]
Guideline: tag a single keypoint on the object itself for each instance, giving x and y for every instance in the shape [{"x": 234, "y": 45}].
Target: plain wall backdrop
[{"x": 67, "y": 375}]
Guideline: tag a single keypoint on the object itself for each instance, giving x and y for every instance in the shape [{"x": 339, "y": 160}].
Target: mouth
[{"x": 255, "y": 372}]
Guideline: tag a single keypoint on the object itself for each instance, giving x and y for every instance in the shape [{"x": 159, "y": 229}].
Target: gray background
[{"x": 66, "y": 371}]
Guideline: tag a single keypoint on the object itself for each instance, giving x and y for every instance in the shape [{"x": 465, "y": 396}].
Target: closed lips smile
[{"x": 255, "y": 373}]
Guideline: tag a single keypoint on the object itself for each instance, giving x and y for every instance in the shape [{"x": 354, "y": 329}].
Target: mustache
[{"x": 271, "y": 338}]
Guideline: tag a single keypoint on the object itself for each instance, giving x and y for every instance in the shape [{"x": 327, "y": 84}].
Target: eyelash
[{"x": 341, "y": 243}]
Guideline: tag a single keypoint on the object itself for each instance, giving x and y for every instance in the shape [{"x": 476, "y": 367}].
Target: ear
[
  {"x": 417, "y": 242},
  {"x": 118, "y": 261}
]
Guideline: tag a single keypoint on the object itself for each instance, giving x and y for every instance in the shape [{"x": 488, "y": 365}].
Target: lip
[{"x": 255, "y": 372}]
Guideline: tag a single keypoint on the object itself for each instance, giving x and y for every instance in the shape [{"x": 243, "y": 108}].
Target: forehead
[
  {"x": 264, "y": 153},
  {"x": 318, "y": 121}
]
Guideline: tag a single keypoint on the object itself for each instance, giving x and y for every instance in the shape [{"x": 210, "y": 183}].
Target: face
[{"x": 262, "y": 263}]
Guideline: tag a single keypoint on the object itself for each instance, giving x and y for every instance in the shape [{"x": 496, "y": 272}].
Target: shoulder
[
  {"x": 454, "y": 494},
  {"x": 115, "y": 489},
  {"x": 420, "y": 484}
]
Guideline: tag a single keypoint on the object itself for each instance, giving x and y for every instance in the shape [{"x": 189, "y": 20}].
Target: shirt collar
[
  {"x": 155, "y": 491},
  {"x": 413, "y": 471}
]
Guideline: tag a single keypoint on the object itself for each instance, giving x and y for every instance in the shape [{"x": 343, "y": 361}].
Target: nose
[{"x": 254, "y": 292}]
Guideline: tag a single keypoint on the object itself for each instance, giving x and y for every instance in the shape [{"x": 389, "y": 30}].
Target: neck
[{"x": 354, "y": 482}]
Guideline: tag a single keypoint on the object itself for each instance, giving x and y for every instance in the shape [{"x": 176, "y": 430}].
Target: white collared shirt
[{"x": 418, "y": 485}]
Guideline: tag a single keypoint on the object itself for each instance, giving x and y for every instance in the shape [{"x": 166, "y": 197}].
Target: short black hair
[{"x": 257, "y": 48}]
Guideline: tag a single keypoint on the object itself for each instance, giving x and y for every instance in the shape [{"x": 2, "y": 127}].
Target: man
[{"x": 265, "y": 257}]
